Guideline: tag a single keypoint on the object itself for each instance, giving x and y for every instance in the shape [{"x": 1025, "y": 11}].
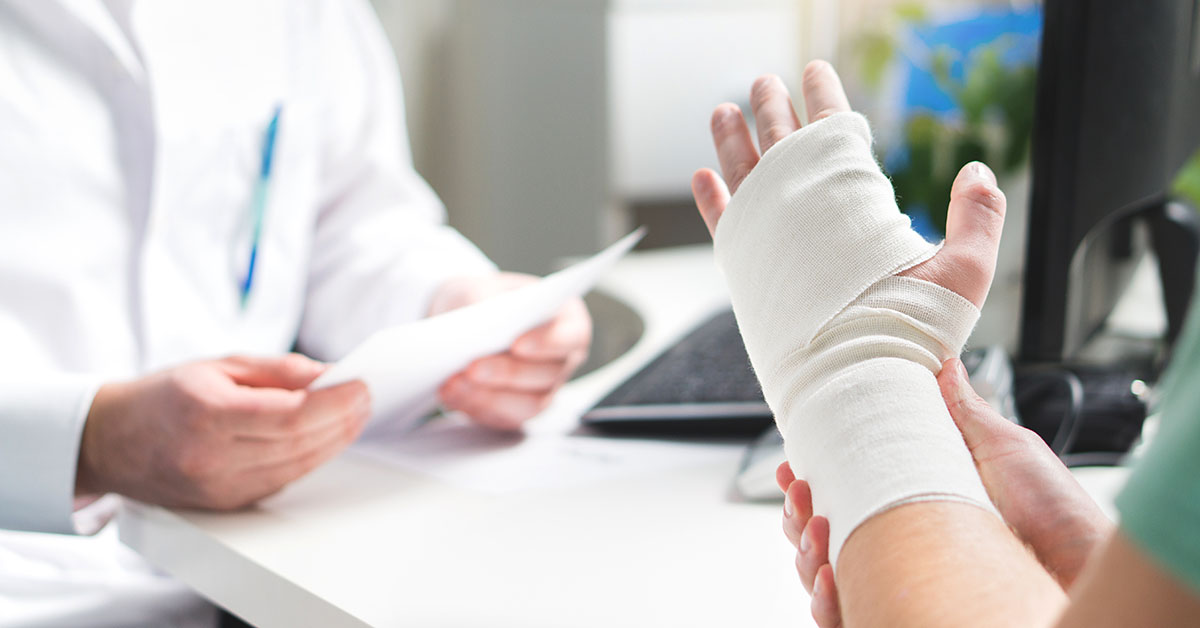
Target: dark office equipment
[
  {"x": 1117, "y": 115},
  {"x": 701, "y": 386}
]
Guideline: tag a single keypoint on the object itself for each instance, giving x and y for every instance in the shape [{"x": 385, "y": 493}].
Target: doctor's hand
[
  {"x": 503, "y": 391},
  {"x": 1035, "y": 493},
  {"x": 218, "y": 434},
  {"x": 966, "y": 262}
]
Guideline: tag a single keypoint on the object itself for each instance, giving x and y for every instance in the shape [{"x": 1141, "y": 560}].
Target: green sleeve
[{"x": 1160, "y": 506}]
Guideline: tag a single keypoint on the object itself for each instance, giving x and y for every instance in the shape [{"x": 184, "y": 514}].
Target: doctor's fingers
[
  {"x": 262, "y": 481},
  {"x": 496, "y": 408},
  {"x": 507, "y": 372},
  {"x": 823, "y": 93},
  {"x": 291, "y": 371},
  {"x": 569, "y": 331},
  {"x": 317, "y": 410},
  {"x": 252, "y": 451},
  {"x": 774, "y": 116}
]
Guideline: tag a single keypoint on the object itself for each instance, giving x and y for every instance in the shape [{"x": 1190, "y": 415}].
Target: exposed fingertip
[
  {"x": 824, "y": 605},
  {"x": 981, "y": 171},
  {"x": 724, "y": 114},
  {"x": 784, "y": 476},
  {"x": 764, "y": 83},
  {"x": 977, "y": 184},
  {"x": 815, "y": 68},
  {"x": 955, "y": 383}
]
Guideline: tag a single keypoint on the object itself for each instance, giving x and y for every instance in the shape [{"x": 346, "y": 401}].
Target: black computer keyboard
[{"x": 703, "y": 384}]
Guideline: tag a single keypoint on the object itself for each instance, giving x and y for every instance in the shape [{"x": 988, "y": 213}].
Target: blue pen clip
[{"x": 259, "y": 202}]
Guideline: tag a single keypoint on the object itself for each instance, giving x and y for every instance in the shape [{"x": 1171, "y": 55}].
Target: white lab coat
[{"x": 130, "y": 141}]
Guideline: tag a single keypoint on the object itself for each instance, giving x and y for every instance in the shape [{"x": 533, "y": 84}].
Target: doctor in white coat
[{"x": 133, "y": 136}]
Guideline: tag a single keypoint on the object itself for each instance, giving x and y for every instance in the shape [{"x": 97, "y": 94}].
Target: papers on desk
[
  {"x": 458, "y": 452},
  {"x": 403, "y": 366}
]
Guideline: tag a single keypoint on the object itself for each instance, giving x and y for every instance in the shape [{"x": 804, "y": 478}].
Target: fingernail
[
  {"x": 980, "y": 170},
  {"x": 787, "y": 507},
  {"x": 816, "y": 586},
  {"x": 805, "y": 542}
]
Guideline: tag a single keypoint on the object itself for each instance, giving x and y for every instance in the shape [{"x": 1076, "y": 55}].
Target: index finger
[{"x": 823, "y": 93}]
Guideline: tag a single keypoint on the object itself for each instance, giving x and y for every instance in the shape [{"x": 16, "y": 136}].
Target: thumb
[
  {"x": 974, "y": 222},
  {"x": 975, "y": 418}
]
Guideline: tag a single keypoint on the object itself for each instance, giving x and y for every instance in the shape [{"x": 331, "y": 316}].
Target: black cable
[{"x": 1071, "y": 424}]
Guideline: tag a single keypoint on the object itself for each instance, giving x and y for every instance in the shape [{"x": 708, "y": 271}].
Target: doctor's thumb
[{"x": 975, "y": 418}]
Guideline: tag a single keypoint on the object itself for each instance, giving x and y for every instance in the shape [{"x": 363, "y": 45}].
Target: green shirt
[{"x": 1160, "y": 506}]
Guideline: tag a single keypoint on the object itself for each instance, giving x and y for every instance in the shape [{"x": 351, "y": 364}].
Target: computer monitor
[{"x": 1117, "y": 115}]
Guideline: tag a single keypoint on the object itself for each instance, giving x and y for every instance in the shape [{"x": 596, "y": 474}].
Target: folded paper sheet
[{"x": 403, "y": 366}]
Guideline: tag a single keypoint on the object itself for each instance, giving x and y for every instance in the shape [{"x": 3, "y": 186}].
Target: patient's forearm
[{"x": 935, "y": 564}]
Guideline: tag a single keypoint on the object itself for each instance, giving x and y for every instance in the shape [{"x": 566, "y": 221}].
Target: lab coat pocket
[{"x": 211, "y": 219}]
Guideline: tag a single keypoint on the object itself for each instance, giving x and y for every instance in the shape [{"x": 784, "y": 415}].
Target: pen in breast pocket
[{"x": 258, "y": 203}]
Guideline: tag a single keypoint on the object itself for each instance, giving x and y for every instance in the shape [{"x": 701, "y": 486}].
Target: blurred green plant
[
  {"x": 1187, "y": 182},
  {"x": 996, "y": 105}
]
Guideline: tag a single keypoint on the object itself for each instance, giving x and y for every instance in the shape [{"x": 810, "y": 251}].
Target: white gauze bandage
[{"x": 847, "y": 351}]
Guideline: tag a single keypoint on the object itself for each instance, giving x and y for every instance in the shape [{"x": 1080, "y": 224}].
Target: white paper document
[
  {"x": 403, "y": 366},
  {"x": 458, "y": 452}
]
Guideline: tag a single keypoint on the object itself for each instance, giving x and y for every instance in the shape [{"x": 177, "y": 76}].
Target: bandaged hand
[{"x": 848, "y": 314}]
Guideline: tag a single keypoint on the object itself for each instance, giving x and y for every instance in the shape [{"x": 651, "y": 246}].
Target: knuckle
[{"x": 985, "y": 196}]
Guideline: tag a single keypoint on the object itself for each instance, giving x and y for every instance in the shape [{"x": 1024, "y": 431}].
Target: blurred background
[{"x": 549, "y": 127}]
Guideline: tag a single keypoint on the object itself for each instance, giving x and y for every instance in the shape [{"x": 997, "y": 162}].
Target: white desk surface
[{"x": 363, "y": 543}]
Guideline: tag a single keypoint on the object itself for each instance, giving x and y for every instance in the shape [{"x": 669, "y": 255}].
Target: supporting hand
[
  {"x": 218, "y": 434},
  {"x": 1034, "y": 492},
  {"x": 505, "y": 390}
]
